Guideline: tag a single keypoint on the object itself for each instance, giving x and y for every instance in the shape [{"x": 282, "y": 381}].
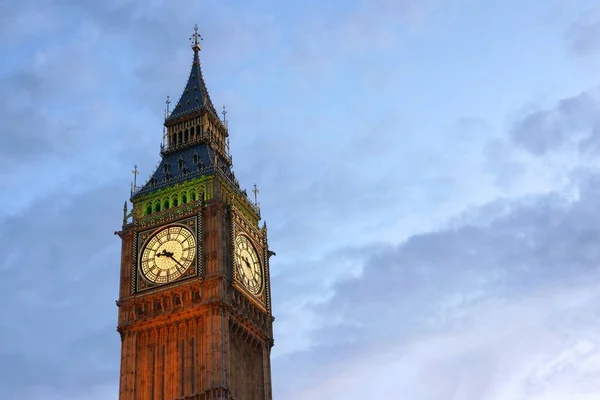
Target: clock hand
[
  {"x": 164, "y": 253},
  {"x": 248, "y": 266},
  {"x": 173, "y": 258}
]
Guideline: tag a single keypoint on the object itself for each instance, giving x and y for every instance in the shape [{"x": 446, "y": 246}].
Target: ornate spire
[{"x": 195, "y": 95}]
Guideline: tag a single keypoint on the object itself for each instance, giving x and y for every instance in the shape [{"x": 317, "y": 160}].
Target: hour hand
[{"x": 164, "y": 253}]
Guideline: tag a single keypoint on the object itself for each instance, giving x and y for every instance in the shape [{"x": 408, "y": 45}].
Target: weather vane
[
  {"x": 168, "y": 102},
  {"x": 195, "y": 39}
]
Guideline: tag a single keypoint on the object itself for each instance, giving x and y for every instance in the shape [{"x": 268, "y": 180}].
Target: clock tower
[{"x": 194, "y": 300}]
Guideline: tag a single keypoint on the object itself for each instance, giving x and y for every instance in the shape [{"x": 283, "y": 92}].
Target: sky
[{"x": 428, "y": 170}]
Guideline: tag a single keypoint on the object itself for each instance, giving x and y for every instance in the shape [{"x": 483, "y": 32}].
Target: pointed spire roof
[{"x": 195, "y": 95}]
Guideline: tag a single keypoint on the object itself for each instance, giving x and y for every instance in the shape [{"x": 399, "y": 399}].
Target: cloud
[
  {"x": 572, "y": 120},
  {"x": 62, "y": 335},
  {"x": 583, "y": 36},
  {"x": 511, "y": 350},
  {"x": 462, "y": 307},
  {"x": 342, "y": 183}
]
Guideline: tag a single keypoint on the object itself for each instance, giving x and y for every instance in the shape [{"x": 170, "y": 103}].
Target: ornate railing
[{"x": 229, "y": 176}]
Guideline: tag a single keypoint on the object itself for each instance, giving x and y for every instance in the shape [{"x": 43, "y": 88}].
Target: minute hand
[{"x": 173, "y": 258}]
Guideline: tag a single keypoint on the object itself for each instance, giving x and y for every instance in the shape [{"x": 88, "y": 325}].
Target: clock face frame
[
  {"x": 248, "y": 269},
  {"x": 167, "y": 254}
]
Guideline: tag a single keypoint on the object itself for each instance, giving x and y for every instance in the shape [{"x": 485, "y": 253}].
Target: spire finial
[
  {"x": 195, "y": 39},
  {"x": 255, "y": 190},
  {"x": 224, "y": 112},
  {"x": 135, "y": 173},
  {"x": 164, "y": 138}
]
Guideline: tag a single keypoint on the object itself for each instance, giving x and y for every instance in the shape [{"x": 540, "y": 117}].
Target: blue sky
[{"x": 427, "y": 169}]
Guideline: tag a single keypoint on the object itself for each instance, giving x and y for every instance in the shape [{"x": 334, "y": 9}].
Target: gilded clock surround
[
  {"x": 140, "y": 282},
  {"x": 247, "y": 268},
  {"x": 241, "y": 227},
  {"x": 167, "y": 254}
]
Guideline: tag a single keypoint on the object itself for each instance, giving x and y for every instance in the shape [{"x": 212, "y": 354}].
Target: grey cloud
[
  {"x": 60, "y": 264},
  {"x": 55, "y": 106},
  {"x": 27, "y": 130},
  {"x": 569, "y": 121},
  {"x": 583, "y": 37},
  {"x": 431, "y": 283}
]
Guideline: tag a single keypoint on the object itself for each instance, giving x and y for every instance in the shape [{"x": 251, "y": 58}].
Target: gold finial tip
[{"x": 195, "y": 39}]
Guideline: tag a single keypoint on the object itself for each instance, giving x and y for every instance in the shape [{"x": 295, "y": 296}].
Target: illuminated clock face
[
  {"x": 247, "y": 264},
  {"x": 168, "y": 254}
]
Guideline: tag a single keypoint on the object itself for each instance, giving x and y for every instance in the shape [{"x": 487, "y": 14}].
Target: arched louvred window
[
  {"x": 183, "y": 198},
  {"x": 157, "y": 206},
  {"x": 175, "y": 201},
  {"x": 148, "y": 209},
  {"x": 166, "y": 204},
  {"x": 186, "y": 135},
  {"x": 180, "y": 137},
  {"x": 193, "y": 195}
]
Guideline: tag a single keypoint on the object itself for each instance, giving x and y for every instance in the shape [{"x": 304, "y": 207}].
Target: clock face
[
  {"x": 247, "y": 264},
  {"x": 168, "y": 254}
]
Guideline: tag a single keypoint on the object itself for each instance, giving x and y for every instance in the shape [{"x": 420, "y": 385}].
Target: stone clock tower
[{"x": 194, "y": 302}]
